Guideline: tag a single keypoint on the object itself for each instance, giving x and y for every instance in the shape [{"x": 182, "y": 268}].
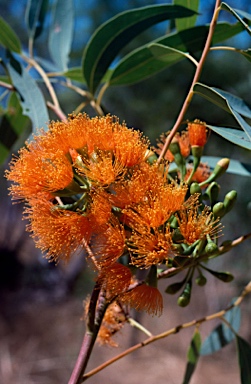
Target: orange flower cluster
[{"x": 88, "y": 181}]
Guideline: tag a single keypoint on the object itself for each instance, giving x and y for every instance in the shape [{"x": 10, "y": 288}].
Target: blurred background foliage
[{"x": 151, "y": 106}]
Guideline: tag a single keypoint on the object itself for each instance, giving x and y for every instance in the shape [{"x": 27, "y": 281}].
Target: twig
[
  {"x": 171, "y": 331},
  {"x": 195, "y": 79},
  {"x": 95, "y": 316}
]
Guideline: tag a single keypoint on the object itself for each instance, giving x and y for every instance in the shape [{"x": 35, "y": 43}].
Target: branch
[
  {"x": 171, "y": 331},
  {"x": 195, "y": 79}
]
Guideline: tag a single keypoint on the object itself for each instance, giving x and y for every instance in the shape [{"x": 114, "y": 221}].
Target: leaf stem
[{"x": 195, "y": 79}]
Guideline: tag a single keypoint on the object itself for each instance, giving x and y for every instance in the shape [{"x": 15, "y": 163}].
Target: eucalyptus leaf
[
  {"x": 75, "y": 74},
  {"x": 244, "y": 357},
  {"x": 34, "y": 17},
  {"x": 167, "y": 54},
  {"x": 141, "y": 64},
  {"x": 235, "y": 136},
  {"x": 8, "y": 38},
  {"x": 113, "y": 35},
  {"x": 192, "y": 356},
  {"x": 31, "y": 98},
  {"x": 61, "y": 33},
  {"x": 222, "y": 334},
  {"x": 187, "y": 22},
  {"x": 236, "y": 13}
]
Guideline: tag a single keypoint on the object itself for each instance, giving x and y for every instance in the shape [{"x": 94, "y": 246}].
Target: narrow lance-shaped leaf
[
  {"x": 222, "y": 334},
  {"x": 167, "y": 54},
  {"x": 61, "y": 33},
  {"x": 235, "y": 136},
  {"x": 34, "y": 17},
  {"x": 113, "y": 35},
  {"x": 192, "y": 356},
  {"x": 8, "y": 38},
  {"x": 187, "y": 22},
  {"x": 244, "y": 357},
  {"x": 31, "y": 98},
  {"x": 236, "y": 13},
  {"x": 141, "y": 64}
]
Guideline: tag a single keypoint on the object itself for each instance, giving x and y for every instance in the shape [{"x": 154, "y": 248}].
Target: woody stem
[
  {"x": 195, "y": 79},
  {"x": 96, "y": 313}
]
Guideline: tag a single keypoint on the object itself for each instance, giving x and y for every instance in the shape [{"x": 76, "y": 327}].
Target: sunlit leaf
[
  {"x": 222, "y": 334},
  {"x": 113, "y": 35},
  {"x": 31, "y": 98},
  {"x": 187, "y": 22},
  {"x": 192, "y": 356},
  {"x": 8, "y": 37},
  {"x": 235, "y": 166},
  {"x": 61, "y": 33},
  {"x": 236, "y": 13},
  {"x": 167, "y": 54},
  {"x": 244, "y": 356},
  {"x": 141, "y": 64},
  {"x": 235, "y": 102},
  {"x": 75, "y": 74},
  {"x": 34, "y": 17}
]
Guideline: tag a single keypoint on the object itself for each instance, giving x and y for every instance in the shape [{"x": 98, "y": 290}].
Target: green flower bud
[
  {"x": 201, "y": 280},
  {"x": 195, "y": 188},
  {"x": 219, "y": 170},
  {"x": 184, "y": 298},
  {"x": 230, "y": 200},
  {"x": 211, "y": 248},
  {"x": 226, "y": 277},
  {"x": 212, "y": 192},
  {"x": 219, "y": 210}
]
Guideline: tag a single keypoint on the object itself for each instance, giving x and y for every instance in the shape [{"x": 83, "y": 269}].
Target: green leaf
[
  {"x": 229, "y": 103},
  {"x": 113, "y": 35},
  {"x": 187, "y": 22},
  {"x": 244, "y": 357},
  {"x": 31, "y": 98},
  {"x": 8, "y": 37},
  {"x": 61, "y": 33},
  {"x": 34, "y": 17},
  {"x": 235, "y": 13},
  {"x": 167, "y": 54},
  {"x": 235, "y": 166},
  {"x": 222, "y": 334},
  {"x": 12, "y": 128},
  {"x": 4, "y": 152},
  {"x": 192, "y": 356},
  {"x": 75, "y": 74},
  {"x": 235, "y": 136},
  {"x": 141, "y": 64}
]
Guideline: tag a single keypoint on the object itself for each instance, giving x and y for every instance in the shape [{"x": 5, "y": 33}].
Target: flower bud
[
  {"x": 211, "y": 248},
  {"x": 201, "y": 280},
  {"x": 212, "y": 192},
  {"x": 195, "y": 188},
  {"x": 230, "y": 200},
  {"x": 219, "y": 170},
  {"x": 219, "y": 210},
  {"x": 184, "y": 298}
]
